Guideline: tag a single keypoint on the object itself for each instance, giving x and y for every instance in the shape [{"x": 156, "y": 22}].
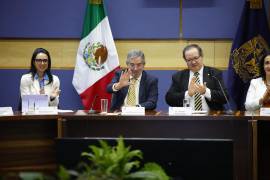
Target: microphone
[
  {"x": 92, "y": 111},
  {"x": 229, "y": 111}
]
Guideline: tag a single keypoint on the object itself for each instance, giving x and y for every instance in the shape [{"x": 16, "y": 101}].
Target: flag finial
[
  {"x": 255, "y": 4},
  {"x": 95, "y": 1}
]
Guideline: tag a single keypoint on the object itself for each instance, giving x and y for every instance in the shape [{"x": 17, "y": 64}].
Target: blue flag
[{"x": 249, "y": 45}]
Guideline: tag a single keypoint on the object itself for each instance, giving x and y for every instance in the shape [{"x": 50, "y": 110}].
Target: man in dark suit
[
  {"x": 134, "y": 86},
  {"x": 198, "y": 80}
]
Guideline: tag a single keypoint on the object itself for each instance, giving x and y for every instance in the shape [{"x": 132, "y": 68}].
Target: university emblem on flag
[
  {"x": 246, "y": 58},
  {"x": 95, "y": 55}
]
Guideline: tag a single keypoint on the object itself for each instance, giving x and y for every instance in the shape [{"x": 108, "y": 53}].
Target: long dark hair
[
  {"x": 33, "y": 69},
  {"x": 261, "y": 65}
]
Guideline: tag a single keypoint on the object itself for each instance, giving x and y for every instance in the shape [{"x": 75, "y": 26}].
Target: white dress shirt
[
  {"x": 207, "y": 93},
  {"x": 137, "y": 89}
]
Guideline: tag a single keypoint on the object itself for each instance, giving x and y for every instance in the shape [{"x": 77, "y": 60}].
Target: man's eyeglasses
[
  {"x": 45, "y": 61},
  {"x": 132, "y": 65},
  {"x": 193, "y": 59}
]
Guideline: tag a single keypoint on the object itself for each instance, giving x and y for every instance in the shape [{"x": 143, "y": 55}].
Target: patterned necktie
[
  {"x": 131, "y": 96},
  {"x": 197, "y": 96}
]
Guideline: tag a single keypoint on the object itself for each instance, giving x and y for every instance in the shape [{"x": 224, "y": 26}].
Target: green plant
[{"x": 114, "y": 163}]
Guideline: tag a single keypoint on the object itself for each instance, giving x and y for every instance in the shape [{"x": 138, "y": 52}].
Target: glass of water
[{"x": 104, "y": 106}]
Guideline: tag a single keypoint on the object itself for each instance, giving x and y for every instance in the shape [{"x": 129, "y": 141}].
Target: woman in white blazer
[
  {"x": 39, "y": 80},
  {"x": 258, "y": 94}
]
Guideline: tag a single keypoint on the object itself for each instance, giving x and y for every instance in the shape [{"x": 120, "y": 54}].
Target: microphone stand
[
  {"x": 92, "y": 111},
  {"x": 229, "y": 111}
]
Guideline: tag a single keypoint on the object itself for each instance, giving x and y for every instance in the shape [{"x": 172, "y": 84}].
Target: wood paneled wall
[{"x": 160, "y": 54}]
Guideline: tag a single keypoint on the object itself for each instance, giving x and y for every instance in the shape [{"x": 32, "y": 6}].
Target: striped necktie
[
  {"x": 131, "y": 96},
  {"x": 197, "y": 96}
]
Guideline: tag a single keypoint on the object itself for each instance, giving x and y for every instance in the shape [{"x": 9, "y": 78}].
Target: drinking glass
[{"x": 104, "y": 105}]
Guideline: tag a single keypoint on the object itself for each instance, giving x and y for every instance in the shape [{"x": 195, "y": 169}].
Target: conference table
[{"x": 28, "y": 142}]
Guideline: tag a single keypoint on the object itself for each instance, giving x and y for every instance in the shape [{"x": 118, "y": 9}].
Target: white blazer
[
  {"x": 255, "y": 92},
  {"x": 29, "y": 86}
]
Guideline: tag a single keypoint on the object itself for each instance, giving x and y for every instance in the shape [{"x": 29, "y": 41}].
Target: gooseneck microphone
[
  {"x": 229, "y": 111},
  {"x": 92, "y": 111}
]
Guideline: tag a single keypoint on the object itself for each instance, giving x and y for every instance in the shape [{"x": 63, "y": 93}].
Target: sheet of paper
[{"x": 33, "y": 102}]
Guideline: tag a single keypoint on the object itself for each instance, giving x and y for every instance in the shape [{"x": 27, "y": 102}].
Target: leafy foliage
[{"x": 114, "y": 163}]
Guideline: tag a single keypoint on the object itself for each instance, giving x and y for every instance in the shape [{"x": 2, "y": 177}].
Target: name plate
[
  {"x": 264, "y": 111},
  {"x": 138, "y": 111},
  {"x": 6, "y": 111},
  {"x": 179, "y": 111}
]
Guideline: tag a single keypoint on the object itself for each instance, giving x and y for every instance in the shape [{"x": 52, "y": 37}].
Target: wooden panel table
[
  {"x": 215, "y": 126},
  {"x": 27, "y": 142}
]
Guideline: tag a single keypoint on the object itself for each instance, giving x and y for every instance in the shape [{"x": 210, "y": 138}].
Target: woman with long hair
[
  {"x": 258, "y": 94},
  {"x": 39, "y": 79}
]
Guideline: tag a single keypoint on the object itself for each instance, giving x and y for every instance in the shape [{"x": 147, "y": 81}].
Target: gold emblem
[
  {"x": 247, "y": 57},
  {"x": 95, "y": 55}
]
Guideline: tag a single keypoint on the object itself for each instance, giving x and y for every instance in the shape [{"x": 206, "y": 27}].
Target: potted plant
[{"x": 114, "y": 163}]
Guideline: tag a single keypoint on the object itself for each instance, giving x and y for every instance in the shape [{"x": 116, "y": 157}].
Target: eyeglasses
[
  {"x": 132, "y": 65},
  {"x": 193, "y": 59},
  {"x": 45, "y": 61}
]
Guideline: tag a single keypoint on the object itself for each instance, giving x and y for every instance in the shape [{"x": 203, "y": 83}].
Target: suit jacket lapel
[
  {"x": 125, "y": 91},
  {"x": 185, "y": 79},
  {"x": 206, "y": 77},
  {"x": 141, "y": 89}
]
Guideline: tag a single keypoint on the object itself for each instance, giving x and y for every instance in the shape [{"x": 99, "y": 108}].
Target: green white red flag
[{"x": 97, "y": 57}]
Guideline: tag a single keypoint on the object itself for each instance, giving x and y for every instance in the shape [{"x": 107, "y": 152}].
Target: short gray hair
[{"x": 134, "y": 53}]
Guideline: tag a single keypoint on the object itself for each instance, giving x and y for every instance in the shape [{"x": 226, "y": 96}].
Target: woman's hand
[
  {"x": 265, "y": 101},
  {"x": 55, "y": 93}
]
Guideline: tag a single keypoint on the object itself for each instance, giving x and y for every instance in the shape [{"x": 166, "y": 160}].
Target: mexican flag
[{"x": 97, "y": 57}]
